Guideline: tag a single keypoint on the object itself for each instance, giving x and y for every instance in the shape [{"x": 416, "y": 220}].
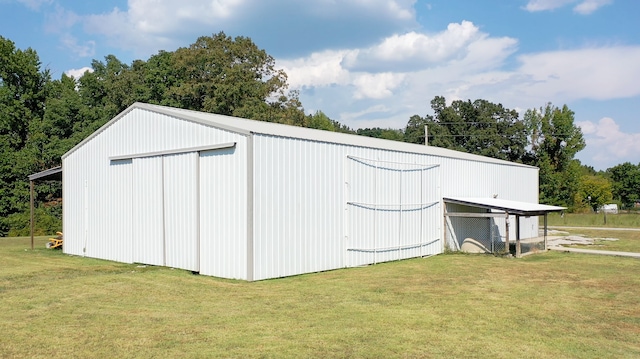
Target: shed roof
[
  {"x": 54, "y": 173},
  {"x": 512, "y": 207},
  {"x": 248, "y": 127}
]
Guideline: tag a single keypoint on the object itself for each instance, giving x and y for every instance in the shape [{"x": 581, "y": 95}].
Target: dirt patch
[{"x": 570, "y": 240}]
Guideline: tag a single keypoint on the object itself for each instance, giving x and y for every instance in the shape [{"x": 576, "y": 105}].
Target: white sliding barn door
[
  {"x": 148, "y": 211},
  {"x": 181, "y": 210}
]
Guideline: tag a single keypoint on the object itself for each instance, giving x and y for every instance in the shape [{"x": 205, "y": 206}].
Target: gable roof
[{"x": 248, "y": 127}]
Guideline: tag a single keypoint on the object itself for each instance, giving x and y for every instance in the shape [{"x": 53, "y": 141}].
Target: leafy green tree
[
  {"x": 384, "y": 133},
  {"x": 414, "y": 131},
  {"x": 626, "y": 183},
  {"x": 286, "y": 109},
  {"x": 41, "y": 119},
  {"x": 478, "y": 127},
  {"x": 553, "y": 136},
  {"x": 226, "y": 76},
  {"x": 320, "y": 121},
  {"x": 23, "y": 90},
  {"x": 594, "y": 191},
  {"x": 554, "y": 141}
]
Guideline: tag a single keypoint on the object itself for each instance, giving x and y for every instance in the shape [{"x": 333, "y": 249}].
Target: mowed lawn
[
  {"x": 624, "y": 220},
  {"x": 551, "y": 305},
  {"x": 627, "y": 241},
  {"x": 592, "y": 226}
]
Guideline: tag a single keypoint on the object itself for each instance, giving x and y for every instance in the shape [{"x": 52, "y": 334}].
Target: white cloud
[
  {"x": 373, "y": 109},
  {"x": 147, "y": 26},
  {"x": 593, "y": 73},
  {"x": 396, "y": 9},
  {"x": 86, "y": 49},
  {"x": 77, "y": 73},
  {"x": 415, "y": 50},
  {"x": 374, "y": 116},
  {"x": 544, "y": 5},
  {"x": 376, "y": 86},
  {"x": 165, "y": 16},
  {"x": 584, "y": 7},
  {"x": 318, "y": 69},
  {"x": 60, "y": 20},
  {"x": 607, "y": 145},
  {"x": 401, "y": 9},
  {"x": 530, "y": 81},
  {"x": 35, "y": 4},
  {"x": 390, "y": 97},
  {"x": 447, "y": 58},
  {"x": 588, "y": 6}
]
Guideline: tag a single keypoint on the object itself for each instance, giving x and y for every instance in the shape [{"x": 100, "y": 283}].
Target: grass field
[
  {"x": 552, "y": 305},
  {"x": 628, "y": 241},
  {"x": 624, "y": 220}
]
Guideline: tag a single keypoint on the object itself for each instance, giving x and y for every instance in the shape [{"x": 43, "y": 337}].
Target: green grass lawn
[
  {"x": 628, "y": 241},
  {"x": 551, "y": 305},
  {"x": 625, "y": 220}
]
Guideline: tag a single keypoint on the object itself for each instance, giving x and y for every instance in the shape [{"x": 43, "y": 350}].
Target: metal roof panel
[
  {"x": 513, "y": 207},
  {"x": 246, "y": 127}
]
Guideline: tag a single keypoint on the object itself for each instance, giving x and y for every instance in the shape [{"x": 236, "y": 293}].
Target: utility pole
[{"x": 426, "y": 136}]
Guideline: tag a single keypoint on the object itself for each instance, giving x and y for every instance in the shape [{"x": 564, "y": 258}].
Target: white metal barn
[{"x": 252, "y": 200}]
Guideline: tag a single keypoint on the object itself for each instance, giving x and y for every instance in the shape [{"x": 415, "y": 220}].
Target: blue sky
[{"x": 371, "y": 63}]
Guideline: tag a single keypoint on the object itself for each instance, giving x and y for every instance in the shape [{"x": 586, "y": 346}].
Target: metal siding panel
[
  {"x": 223, "y": 216},
  {"x": 181, "y": 211},
  {"x": 122, "y": 234},
  {"x": 299, "y": 223},
  {"x": 478, "y": 179},
  {"x": 72, "y": 207},
  {"x": 393, "y": 211},
  {"x": 108, "y": 221},
  {"x": 361, "y": 236},
  {"x": 303, "y": 174},
  {"x": 148, "y": 205},
  {"x": 92, "y": 216},
  {"x": 298, "y": 207}
]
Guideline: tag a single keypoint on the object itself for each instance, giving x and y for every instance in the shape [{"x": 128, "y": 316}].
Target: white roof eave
[{"x": 514, "y": 207}]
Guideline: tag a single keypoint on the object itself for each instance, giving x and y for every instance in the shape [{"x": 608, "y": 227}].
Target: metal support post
[{"x": 31, "y": 195}]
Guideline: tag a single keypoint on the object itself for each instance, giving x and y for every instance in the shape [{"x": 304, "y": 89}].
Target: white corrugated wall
[
  {"x": 148, "y": 211},
  {"x": 301, "y": 192},
  {"x": 181, "y": 211},
  {"x": 302, "y": 219},
  {"x": 463, "y": 178},
  {"x": 298, "y": 207},
  {"x": 223, "y": 214},
  {"x": 99, "y": 211},
  {"x": 391, "y": 210}
]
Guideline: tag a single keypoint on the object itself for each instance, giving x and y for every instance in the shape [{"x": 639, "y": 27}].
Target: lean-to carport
[
  {"x": 505, "y": 208},
  {"x": 52, "y": 174}
]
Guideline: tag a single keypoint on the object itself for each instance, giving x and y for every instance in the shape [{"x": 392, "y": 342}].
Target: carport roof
[
  {"x": 54, "y": 174},
  {"x": 512, "y": 207}
]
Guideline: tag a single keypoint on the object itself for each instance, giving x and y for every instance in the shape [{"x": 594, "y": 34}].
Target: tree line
[{"x": 42, "y": 118}]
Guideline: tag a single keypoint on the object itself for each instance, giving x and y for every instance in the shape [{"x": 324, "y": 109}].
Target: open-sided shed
[{"x": 244, "y": 199}]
